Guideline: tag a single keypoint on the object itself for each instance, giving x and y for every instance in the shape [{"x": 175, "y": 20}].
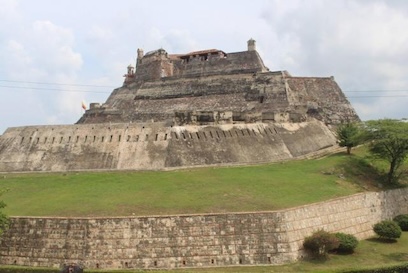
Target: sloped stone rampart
[
  {"x": 178, "y": 241},
  {"x": 156, "y": 146}
]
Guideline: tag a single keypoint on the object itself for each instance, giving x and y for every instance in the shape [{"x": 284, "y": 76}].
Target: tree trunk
[{"x": 390, "y": 176}]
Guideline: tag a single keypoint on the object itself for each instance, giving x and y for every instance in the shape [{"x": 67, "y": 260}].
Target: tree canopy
[
  {"x": 389, "y": 141},
  {"x": 349, "y": 135}
]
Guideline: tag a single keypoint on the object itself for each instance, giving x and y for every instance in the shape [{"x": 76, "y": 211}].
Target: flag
[{"x": 83, "y": 105}]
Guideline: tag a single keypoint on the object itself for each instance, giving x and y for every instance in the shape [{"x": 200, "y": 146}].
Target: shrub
[
  {"x": 402, "y": 221},
  {"x": 347, "y": 242},
  {"x": 320, "y": 243},
  {"x": 387, "y": 229}
]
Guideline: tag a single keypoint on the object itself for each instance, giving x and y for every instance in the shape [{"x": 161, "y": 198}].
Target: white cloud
[
  {"x": 43, "y": 52},
  {"x": 361, "y": 43},
  {"x": 100, "y": 34}
]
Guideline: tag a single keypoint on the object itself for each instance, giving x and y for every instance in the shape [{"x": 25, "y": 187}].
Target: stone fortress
[
  {"x": 184, "y": 110},
  {"x": 181, "y": 110}
]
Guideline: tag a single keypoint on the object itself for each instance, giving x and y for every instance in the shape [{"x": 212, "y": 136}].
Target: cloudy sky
[{"x": 55, "y": 54}]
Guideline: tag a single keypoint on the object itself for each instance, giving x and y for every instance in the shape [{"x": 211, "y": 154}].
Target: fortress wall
[
  {"x": 194, "y": 86},
  {"x": 245, "y": 61},
  {"x": 75, "y": 147},
  {"x": 247, "y": 143},
  {"x": 322, "y": 94},
  {"x": 156, "y": 66},
  {"x": 155, "y": 146},
  {"x": 178, "y": 241},
  {"x": 158, "y": 100}
]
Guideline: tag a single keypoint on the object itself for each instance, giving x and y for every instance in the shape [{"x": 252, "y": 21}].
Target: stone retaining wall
[{"x": 178, "y": 241}]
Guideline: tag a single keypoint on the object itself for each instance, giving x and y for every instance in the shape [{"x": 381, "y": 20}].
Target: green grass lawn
[{"x": 200, "y": 190}]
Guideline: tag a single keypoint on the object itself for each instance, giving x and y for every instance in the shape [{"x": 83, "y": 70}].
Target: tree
[
  {"x": 389, "y": 141},
  {"x": 4, "y": 220},
  {"x": 348, "y": 135}
]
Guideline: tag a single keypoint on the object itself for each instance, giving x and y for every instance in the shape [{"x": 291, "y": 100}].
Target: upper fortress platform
[{"x": 211, "y": 86}]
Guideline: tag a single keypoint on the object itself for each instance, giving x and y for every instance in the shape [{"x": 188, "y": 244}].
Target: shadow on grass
[
  {"x": 383, "y": 240},
  {"x": 362, "y": 171},
  {"x": 397, "y": 256},
  {"x": 317, "y": 260},
  {"x": 342, "y": 252}
]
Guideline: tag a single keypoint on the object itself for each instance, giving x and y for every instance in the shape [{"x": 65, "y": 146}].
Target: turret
[
  {"x": 140, "y": 53},
  {"x": 251, "y": 45}
]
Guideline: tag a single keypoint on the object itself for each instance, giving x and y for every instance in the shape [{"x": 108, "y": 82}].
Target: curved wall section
[{"x": 178, "y": 241}]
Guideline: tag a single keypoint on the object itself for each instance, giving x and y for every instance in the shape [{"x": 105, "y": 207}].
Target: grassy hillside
[{"x": 252, "y": 188}]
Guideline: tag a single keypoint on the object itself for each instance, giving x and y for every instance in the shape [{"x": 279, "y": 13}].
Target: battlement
[{"x": 158, "y": 64}]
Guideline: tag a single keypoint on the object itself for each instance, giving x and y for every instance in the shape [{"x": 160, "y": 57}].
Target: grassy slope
[{"x": 253, "y": 188}]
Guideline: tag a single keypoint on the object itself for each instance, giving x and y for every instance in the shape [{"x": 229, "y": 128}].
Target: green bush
[
  {"x": 347, "y": 242},
  {"x": 402, "y": 221},
  {"x": 387, "y": 229},
  {"x": 320, "y": 243}
]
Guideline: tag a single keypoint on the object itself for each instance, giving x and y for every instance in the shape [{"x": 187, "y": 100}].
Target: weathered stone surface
[{"x": 232, "y": 239}]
